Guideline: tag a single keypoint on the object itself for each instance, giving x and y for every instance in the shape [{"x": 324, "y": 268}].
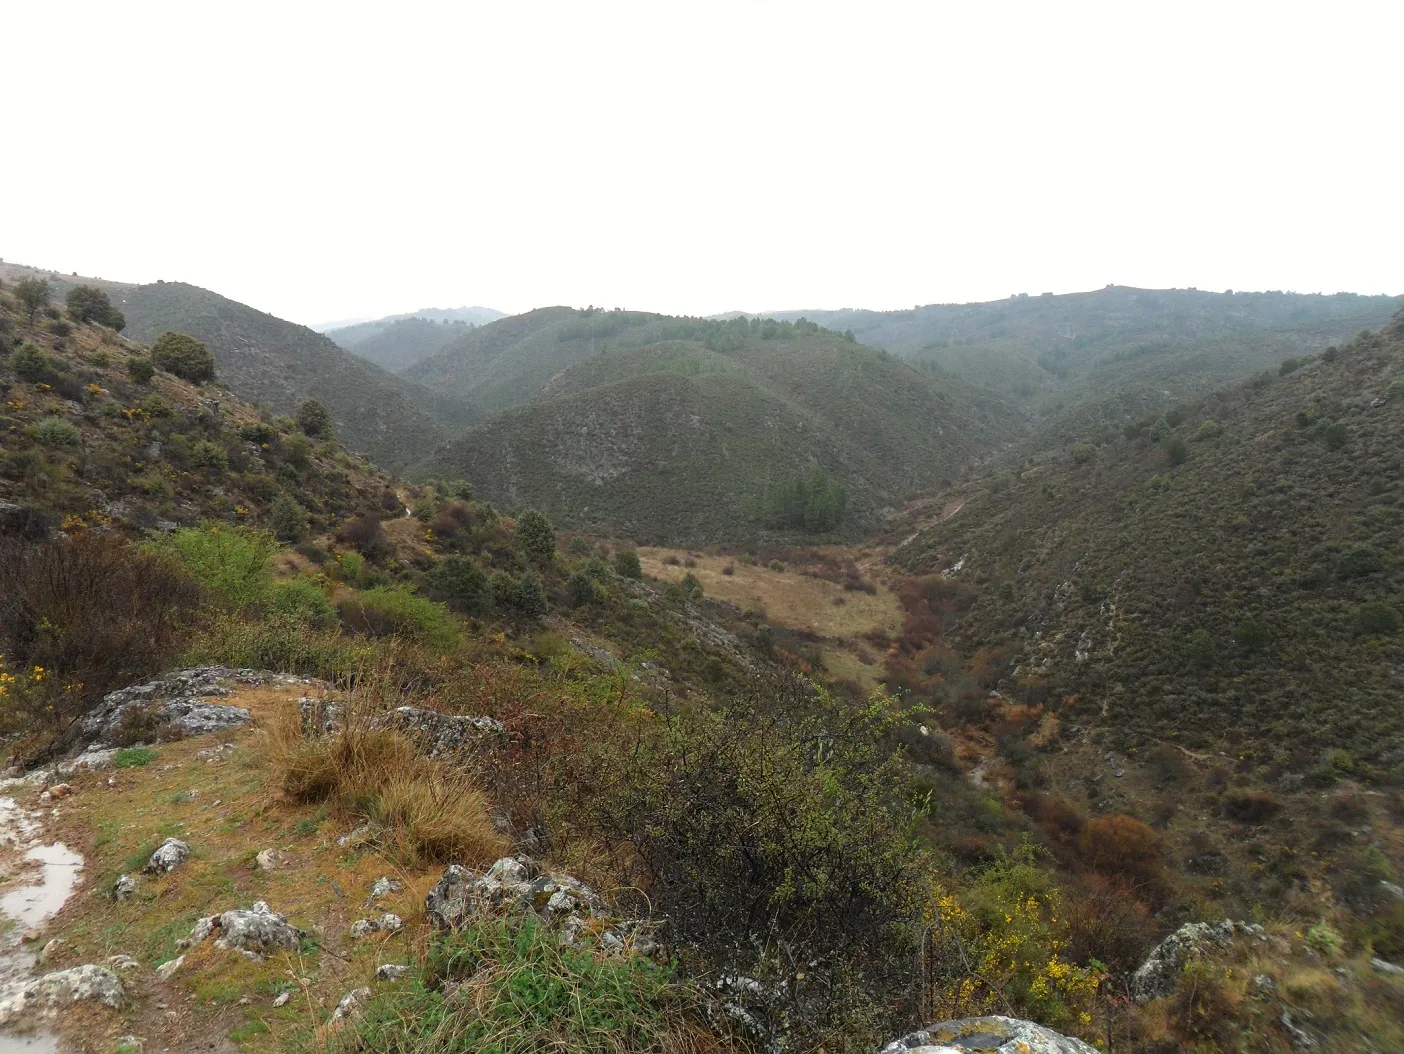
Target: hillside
[
  {"x": 1228, "y": 573},
  {"x": 1085, "y": 361},
  {"x": 402, "y": 343},
  {"x": 348, "y": 336},
  {"x": 267, "y": 360},
  {"x": 693, "y": 435},
  {"x": 88, "y": 445}
]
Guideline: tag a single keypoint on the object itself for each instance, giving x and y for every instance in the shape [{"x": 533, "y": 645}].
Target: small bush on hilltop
[{"x": 183, "y": 356}]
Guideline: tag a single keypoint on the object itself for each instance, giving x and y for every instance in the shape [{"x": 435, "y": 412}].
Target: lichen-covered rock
[
  {"x": 54, "y": 991},
  {"x": 171, "y": 707},
  {"x": 438, "y": 733},
  {"x": 351, "y": 1004},
  {"x": 384, "y": 887},
  {"x": 1160, "y": 973},
  {"x": 124, "y": 888},
  {"x": 510, "y": 884},
  {"x": 255, "y": 932},
  {"x": 1002, "y": 1035},
  {"x": 166, "y": 969},
  {"x": 168, "y": 856},
  {"x": 390, "y": 971},
  {"x": 387, "y": 923}
]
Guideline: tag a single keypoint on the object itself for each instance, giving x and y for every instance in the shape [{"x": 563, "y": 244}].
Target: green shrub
[
  {"x": 535, "y": 538},
  {"x": 55, "y": 431},
  {"x": 816, "y": 502},
  {"x": 87, "y": 303},
  {"x": 287, "y": 521},
  {"x": 1358, "y": 561},
  {"x": 313, "y": 419},
  {"x": 397, "y": 611},
  {"x": 582, "y": 589},
  {"x": 301, "y": 599},
  {"x": 626, "y": 564},
  {"x": 285, "y": 645},
  {"x": 30, "y": 364},
  {"x": 1202, "y": 650},
  {"x": 183, "y": 356},
  {"x": 462, "y": 584},
  {"x": 1252, "y": 636},
  {"x": 210, "y": 456},
  {"x": 1323, "y": 939},
  {"x": 1082, "y": 453},
  {"x": 1176, "y": 450},
  {"x": 531, "y": 597},
  {"x": 232, "y": 564},
  {"x": 774, "y": 820},
  {"x": 1377, "y": 619},
  {"x": 1208, "y": 430},
  {"x": 691, "y": 587},
  {"x": 141, "y": 370}
]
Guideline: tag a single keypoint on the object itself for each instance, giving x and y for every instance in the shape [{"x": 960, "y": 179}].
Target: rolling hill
[
  {"x": 1229, "y": 572},
  {"x": 267, "y": 360},
  {"x": 349, "y": 335},
  {"x": 404, "y": 342},
  {"x": 1083, "y": 362},
  {"x": 682, "y": 429}
]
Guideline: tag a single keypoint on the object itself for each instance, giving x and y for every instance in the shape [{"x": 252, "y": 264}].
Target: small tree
[
  {"x": 88, "y": 303},
  {"x": 536, "y": 539},
  {"x": 33, "y": 294},
  {"x": 287, "y": 520},
  {"x": 30, "y": 363},
  {"x": 313, "y": 419},
  {"x": 141, "y": 370},
  {"x": 462, "y": 585},
  {"x": 531, "y": 597},
  {"x": 626, "y": 564},
  {"x": 184, "y": 356}
]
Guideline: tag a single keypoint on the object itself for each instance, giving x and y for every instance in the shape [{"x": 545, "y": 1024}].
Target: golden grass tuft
[{"x": 429, "y": 810}]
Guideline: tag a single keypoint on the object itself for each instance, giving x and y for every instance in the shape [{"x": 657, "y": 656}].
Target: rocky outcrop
[
  {"x": 171, "y": 707},
  {"x": 434, "y": 733},
  {"x": 255, "y": 932},
  {"x": 1003, "y": 1035},
  {"x": 54, "y": 991},
  {"x": 515, "y": 884},
  {"x": 1160, "y": 973},
  {"x": 387, "y": 923}
]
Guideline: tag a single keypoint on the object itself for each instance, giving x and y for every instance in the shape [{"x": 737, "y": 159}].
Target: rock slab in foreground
[
  {"x": 54, "y": 991},
  {"x": 1002, "y": 1035}
]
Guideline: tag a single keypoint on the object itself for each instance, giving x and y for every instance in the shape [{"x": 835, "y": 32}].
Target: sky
[{"x": 340, "y": 160}]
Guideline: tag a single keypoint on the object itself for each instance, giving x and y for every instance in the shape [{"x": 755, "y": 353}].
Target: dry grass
[
  {"x": 789, "y": 600},
  {"x": 427, "y": 809}
]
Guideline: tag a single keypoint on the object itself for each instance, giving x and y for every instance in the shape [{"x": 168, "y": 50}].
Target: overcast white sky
[{"x": 328, "y": 160}]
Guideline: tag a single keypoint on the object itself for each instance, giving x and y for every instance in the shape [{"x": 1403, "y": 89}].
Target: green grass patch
[
  {"x": 134, "y": 757},
  {"x": 530, "y": 995}
]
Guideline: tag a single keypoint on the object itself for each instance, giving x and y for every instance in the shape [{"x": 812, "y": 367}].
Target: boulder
[
  {"x": 390, "y": 971},
  {"x": 384, "y": 887},
  {"x": 438, "y": 733},
  {"x": 54, "y": 991},
  {"x": 1160, "y": 973},
  {"x": 387, "y": 923},
  {"x": 254, "y": 932},
  {"x": 1003, "y": 1035},
  {"x": 351, "y": 1004},
  {"x": 166, "y": 969},
  {"x": 168, "y": 856},
  {"x": 124, "y": 888}
]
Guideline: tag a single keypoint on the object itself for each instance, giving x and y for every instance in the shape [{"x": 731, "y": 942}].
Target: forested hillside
[
  {"x": 402, "y": 343},
  {"x": 1083, "y": 362},
  {"x": 1229, "y": 571},
  {"x": 678, "y": 428}
]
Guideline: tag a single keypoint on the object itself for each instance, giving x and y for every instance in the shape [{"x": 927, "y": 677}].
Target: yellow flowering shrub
[{"x": 1000, "y": 946}]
